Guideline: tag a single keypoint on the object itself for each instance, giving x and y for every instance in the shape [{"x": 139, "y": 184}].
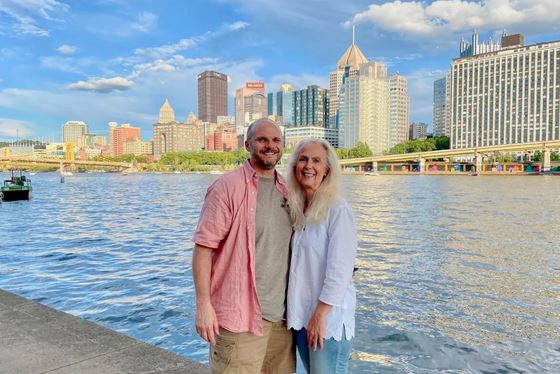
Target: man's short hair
[{"x": 256, "y": 124}]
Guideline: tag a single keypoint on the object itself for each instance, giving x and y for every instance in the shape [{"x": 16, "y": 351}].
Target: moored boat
[{"x": 16, "y": 188}]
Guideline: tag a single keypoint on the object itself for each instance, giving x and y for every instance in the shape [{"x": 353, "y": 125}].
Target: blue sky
[{"x": 114, "y": 60}]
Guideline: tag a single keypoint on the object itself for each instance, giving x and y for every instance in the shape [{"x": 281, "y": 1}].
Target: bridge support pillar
[
  {"x": 546, "y": 160},
  {"x": 374, "y": 167},
  {"x": 422, "y": 165},
  {"x": 478, "y": 162}
]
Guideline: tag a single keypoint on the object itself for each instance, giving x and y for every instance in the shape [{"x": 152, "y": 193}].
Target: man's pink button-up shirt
[{"x": 227, "y": 224}]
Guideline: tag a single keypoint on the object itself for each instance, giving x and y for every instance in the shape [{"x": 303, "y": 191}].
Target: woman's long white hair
[{"x": 327, "y": 193}]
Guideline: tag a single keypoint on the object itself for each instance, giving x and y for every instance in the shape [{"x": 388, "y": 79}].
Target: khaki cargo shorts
[{"x": 246, "y": 353}]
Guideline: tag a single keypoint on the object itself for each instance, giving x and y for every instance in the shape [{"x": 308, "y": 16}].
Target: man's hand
[{"x": 206, "y": 322}]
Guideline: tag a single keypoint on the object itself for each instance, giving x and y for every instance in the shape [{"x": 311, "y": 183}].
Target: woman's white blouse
[{"x": 321, "y": 268}]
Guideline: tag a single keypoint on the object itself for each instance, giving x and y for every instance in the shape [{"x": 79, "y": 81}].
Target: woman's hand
[{"x": 316, "y": 326}]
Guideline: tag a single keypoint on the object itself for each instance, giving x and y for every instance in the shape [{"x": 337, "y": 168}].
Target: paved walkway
[{"x": 37, "y": 339}]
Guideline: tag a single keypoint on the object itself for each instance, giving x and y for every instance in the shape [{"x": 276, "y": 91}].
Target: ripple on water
[{"x": 457, "y": 275}]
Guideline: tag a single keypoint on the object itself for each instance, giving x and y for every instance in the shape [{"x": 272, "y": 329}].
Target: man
[{"x": 240, "y": 263}]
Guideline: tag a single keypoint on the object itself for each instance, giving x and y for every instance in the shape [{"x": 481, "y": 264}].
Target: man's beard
[{"x": 266, "y": 164}]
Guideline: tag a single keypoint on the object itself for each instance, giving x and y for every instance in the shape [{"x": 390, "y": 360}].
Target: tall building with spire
[
  {"x": 172, "y": 136},
  {"x": 212, "y": 96},
  {"x": 166, "y": 113},
  {"x": 364, "y": 108},
  {"x": 353, "y": 58}
]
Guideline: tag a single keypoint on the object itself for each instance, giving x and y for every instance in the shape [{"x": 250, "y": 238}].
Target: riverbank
[{"x": 37, "y": 339}]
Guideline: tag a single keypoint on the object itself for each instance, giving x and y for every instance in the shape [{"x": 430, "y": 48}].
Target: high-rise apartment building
[
  {"x": 353, "y": 58},
  {"x": 120, "y": 134},
  {"x": 74, "y": 132},
  {"x": 507, "y": 96},
  {"x": 442, "y": 96},
  {"x": 250, "y": 104},
  {"x": 311, "y": 107},
  {"x": 212, "y": 96},
  {"x": 398, "y": 110}
]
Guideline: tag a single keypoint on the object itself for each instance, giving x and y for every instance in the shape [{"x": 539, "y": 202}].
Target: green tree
[
  {"x": 442, "y": 142},
  {"x": 360, "y": 150}
]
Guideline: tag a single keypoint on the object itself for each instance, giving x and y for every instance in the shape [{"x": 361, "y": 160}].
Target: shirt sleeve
[
  {"x": 341, "y": 255},
  {"x": 215, "y": 218}
]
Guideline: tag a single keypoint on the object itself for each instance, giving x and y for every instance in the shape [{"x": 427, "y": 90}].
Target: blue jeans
[{"x": 332, "y": 359}]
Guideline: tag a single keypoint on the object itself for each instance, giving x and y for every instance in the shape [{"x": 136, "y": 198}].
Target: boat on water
[
  {"x": 371, "y": 173},
  {"x": 16, "y": 188}
]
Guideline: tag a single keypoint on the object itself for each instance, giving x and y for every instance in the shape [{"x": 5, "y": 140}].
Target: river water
[{"x": 457, "y": 274}]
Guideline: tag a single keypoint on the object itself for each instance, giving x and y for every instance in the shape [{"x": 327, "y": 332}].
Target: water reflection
[{"x": 457, "y": 274}]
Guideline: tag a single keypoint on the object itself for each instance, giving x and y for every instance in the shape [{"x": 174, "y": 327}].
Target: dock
[{"x": 37, "y": 339}]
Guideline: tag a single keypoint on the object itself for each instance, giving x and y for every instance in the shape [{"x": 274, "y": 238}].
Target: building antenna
[{"x": 353, "y": 33}]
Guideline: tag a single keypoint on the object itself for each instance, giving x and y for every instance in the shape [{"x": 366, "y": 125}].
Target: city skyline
[{"x": 114, "y": 61}]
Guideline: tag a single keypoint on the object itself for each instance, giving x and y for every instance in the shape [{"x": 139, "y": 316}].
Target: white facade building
[
  {"x": 507, "y": 96},
  {"x": 294, "y": 134},
  {"x": 398, "y": 110}
]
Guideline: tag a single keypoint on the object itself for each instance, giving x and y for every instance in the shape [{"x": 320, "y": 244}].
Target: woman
[{"x": 321, "y": 296}]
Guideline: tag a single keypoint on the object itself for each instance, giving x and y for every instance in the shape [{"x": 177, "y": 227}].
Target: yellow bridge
[
  {"x": 423, "y": 158},
  {"x": 28, "y": 160}
]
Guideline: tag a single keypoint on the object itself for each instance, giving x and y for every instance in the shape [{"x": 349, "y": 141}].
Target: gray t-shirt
[{"x": 272, "y": 257}]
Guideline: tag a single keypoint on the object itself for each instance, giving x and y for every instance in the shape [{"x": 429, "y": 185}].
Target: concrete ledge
[{"x": 37, "y": 339}]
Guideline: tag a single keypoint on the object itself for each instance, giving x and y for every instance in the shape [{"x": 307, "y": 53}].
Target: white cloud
[
  {"x": 170, "y": 65},
  {"x": 163, "y": 51},
  {"x": 139, "y": 106},
  {"x": 444, "y": 16},
  {"x": 26, "y": 14},
  {"x": 10, "y": 127},
  {"x": 66, "y": 49},
  {"x": 103, "y": 85},
  {"x": 146, "y": 22}
]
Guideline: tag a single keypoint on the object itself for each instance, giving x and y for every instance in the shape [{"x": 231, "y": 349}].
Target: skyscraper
[
  {"x": 166, "y": 113},
  {"x": 281, "y": 104},
  {"x": 364, "y": 108},
  {"x": 212, "y": 96},
  {"x": 507, "y": 96},
  {"x": 398, "y": 110},
  {"x": 74, "y": 131},
  {"x": 441, "y": 108},
  {"x": 353, "y": 58},
  {"x": 250, "y": 104},
  {"x": 311, "y": 107},
  {"x": 172, "y": 136}
]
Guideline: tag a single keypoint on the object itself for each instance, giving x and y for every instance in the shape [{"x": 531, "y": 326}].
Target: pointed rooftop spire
[
  {"x": 353, "y": 57},
  {"x": 166, "y": 113}
]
